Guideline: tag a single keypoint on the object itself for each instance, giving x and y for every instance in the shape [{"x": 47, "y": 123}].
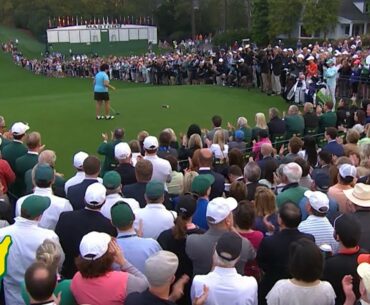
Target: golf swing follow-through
[{"x": 101, "y": 85}]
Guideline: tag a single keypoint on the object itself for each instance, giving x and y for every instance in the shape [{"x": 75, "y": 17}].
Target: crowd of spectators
[
  {"x": 275, "y": 70},
  {"x": 275, "y": 211},
  {"x": 264, "y": 214}
]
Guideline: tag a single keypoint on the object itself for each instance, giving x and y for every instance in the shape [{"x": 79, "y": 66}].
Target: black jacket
[
  {"x": 218, "y": 186},
  {"x": 273, "y": 256},
  {"x": 127, "y": 173},
  {"x": 276, "y": 127},
  {"x": 71, "y": 227},
  {"x": 76, "y": 193}
]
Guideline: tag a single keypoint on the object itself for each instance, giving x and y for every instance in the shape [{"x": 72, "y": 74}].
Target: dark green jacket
[
  {"x": 13, "y": 151},
  {"x": 328, "y": 119},
  {"x": 107, "y": 150},
  {"x": 3, "y": 142},
  {"x": 294, "y": 125},
  {"x": 22, "y": 165}
]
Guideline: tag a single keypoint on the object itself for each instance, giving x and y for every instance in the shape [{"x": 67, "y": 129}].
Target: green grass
[{"x": 62, "y": 110}]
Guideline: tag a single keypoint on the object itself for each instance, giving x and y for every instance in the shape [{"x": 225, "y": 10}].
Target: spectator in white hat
[
  {"x": 200, "y": 248},
  {"x": 78, "y": 160},
  {"x": 72, "y": 226},
  {"x": 359, "y": 196},
  {"x": 225, "y": 285},
  {"x": 126, "y": 170},
  {"x": 96, "y": 282},
  {"x": 346, "y": 179},
  {"x": 16, "y": 148},
  {"x": 161, "y": 168},
  {"x": 317, "y": 224}
]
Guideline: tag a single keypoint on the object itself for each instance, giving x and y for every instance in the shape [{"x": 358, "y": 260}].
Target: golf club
[{"x": 114, "y": 111}]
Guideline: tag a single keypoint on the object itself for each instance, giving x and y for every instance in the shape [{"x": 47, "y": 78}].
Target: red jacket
[{"x": 7, "y": 175}]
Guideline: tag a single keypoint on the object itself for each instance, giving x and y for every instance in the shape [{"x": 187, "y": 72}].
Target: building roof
[{"x": 349, "y": 11}]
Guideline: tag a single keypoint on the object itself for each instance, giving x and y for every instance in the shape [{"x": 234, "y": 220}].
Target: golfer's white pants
[{"x": 331, "y": 89}]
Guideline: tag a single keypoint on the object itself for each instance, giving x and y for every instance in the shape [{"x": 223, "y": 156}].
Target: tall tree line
[
  {"x": 274, "y": 17},
  {"x": 263, "y": 19}
]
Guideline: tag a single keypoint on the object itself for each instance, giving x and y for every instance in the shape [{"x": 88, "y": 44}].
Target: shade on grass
[{"x": 63, "y": 109}]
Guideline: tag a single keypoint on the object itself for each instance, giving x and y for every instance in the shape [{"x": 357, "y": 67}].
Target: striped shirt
[{"x": 321, "y": 229}]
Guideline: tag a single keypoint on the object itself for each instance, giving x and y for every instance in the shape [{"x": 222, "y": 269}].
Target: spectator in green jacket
[
  {"x": 294, "y": 122},
  {"x": 328, "y": 118},
  {"x": 106, "y": 149}
]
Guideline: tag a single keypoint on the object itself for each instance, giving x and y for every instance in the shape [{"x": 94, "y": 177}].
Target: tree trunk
[{"x": 248, "y": 14}]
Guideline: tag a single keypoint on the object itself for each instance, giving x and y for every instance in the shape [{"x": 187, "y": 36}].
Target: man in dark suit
[
  {"x": 76, "y": 193},
  {"x": 276, "y": 125},
  {"x": 143, "y": 172},
  {"x": 205, "y": 165},
  {"x": 72, "y": 226},
  {"x": 273, "y": 253},
  {"x": 311, "y": 120},
  {"x": 122, "y": 152},
  {"x": 266, "y": 152},
  {"x": 333, "y": 146}
]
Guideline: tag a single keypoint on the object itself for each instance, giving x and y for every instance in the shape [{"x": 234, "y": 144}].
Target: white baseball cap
[
  {"x": 95, "y": 194},
  {"x": 310, "y": 58},
  {"x": 318, "y": 201},
  {"x": 94, "y": 245},
  {"x": 347, "y": 170},
  {"x": 150, "y": 142},
  {"x": 363, "y": 271},
  {"x": 219, "y": 208},
  {"x": 122, "y": 151},
  {"x": 79, "y": 158},
  {"x": 220, "y": 60},
  {"x": 19, "y": 128},
  {"x": 300, "y": 56}
]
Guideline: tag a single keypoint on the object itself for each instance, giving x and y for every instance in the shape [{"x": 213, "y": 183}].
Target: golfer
[{"x": 101, "y": 85}]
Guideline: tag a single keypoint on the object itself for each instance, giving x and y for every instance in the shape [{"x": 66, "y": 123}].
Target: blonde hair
[
  {"x": 265, "y": 201},
  {"x": 50, "y": 253},
  {"x": 219, "y": 138},
  {"x": 188, "y": 179},
  {"x": 48, "y": 157},
  {"x": 172, "y": 133},
  {"x": 142, "y": 135},
  {"x": 261, "y": 120},
  {"x": 195, "y": 141},
  {"x": 242, "y": 122}
]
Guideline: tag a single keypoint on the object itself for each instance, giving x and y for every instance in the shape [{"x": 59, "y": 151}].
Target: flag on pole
[
  {"x": 107, "y": 20},
  {"x": 103, "y": 20}
]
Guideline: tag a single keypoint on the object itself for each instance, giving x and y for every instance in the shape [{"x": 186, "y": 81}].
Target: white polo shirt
[
  {"x": 226, "y": 286},
  {"x": 161, "y": 169},
  {"x": 112, "y": 199},
  {"x": 50, "y": 217},
  {"x": 156, "y": 219}
]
